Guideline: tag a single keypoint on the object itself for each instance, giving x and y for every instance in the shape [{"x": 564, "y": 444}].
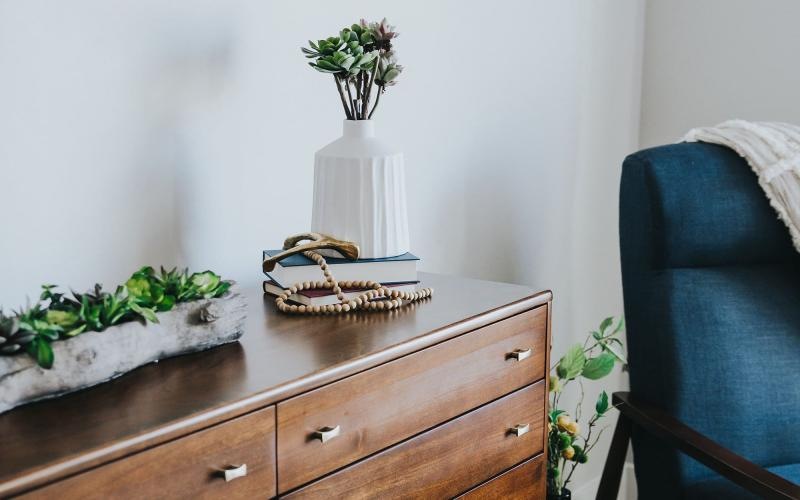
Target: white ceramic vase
[{"x": 360, "y": 192}]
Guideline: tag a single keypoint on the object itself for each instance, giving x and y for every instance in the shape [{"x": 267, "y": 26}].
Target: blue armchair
[{"x": 712, "y": 302}]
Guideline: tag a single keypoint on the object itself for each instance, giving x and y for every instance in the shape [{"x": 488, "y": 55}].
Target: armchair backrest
[{"x": 712, "y": 302}]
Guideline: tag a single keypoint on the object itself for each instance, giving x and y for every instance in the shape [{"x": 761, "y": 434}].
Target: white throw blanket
[{"x": 773, "y": 151}]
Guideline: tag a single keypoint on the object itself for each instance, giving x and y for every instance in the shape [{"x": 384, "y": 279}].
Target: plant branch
[
  {"x": 369, "y": 86},
  {"x": 341, "y": 94},
  {"x": 350, "y": 96},
  {"x": 359, "y": 101},
  {"x": 377, "y": 100}
]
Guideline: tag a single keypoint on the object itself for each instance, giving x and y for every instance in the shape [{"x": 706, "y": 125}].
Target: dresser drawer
[
  {"x": 448, "y": 459},
  {"x": 372, "y": 410},
  {"x": 190, "y": 467},
  {"x": 525, "y": 481}
]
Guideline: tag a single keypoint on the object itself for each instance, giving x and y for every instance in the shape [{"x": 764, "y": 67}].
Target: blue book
[{"x": 298, "y": 267}]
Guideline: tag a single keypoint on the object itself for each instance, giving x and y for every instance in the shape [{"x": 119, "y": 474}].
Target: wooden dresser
[{"x": 442, "y": 399}]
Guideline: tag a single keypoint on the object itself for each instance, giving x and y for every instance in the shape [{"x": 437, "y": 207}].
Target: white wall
[
  {"x": 710, "y": 61},
  {"x": 183, "y": 132}
]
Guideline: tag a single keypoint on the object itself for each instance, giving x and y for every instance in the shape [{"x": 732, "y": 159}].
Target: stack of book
[{"x": 398, "y": 273}]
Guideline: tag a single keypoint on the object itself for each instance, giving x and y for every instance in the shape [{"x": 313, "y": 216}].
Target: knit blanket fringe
[{"x": 772, "y": 150}]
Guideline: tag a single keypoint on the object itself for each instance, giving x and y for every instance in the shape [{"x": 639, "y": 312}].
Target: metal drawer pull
[
  {"x": 521, "y": 429},
  {"x": 326, "y": 433},
  {"x": 520, "y": 354},
  {"x": 233, "y": 471}
]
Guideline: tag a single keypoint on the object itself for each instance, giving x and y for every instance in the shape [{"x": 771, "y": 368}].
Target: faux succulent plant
[
  {"x": 57, "y": 316},
  {"x": 360, "y": 57}
]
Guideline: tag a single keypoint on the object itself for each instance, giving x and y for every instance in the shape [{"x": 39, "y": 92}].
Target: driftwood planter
[{"x": 95, "y": 357}]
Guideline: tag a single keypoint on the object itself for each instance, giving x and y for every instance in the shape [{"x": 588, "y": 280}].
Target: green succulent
[
  {"x": 388, "y": 71},
  {"x": 57, "y": 316},
  {"x": 359, "y": 58},
  {"x": 12, "y": 338}
]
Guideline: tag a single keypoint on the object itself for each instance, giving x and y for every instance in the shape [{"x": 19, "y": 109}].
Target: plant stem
[
  {"x": 341, "y": 94},
  {"x": 358, "y": 102},
  {"x": 377, "y": 100},
  {"x": 350, "y": 96},
  {"x": 369, "y": 87}
]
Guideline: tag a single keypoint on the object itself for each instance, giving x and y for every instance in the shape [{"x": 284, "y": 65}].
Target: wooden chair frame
[{"x": 656, "y": 422}]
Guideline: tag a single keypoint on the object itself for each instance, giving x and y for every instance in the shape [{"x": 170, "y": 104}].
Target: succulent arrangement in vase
[
  {"x": 360, "y": 58},
  {"x": 569, "y": 444},
  {"x": 57, "y": 316}
]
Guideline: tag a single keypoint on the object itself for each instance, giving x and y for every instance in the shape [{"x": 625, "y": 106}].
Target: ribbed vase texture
[{"x": 359, "y": 193}]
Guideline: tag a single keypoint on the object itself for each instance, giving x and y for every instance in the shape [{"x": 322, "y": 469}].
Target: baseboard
[{"x": 627, "y": 486}]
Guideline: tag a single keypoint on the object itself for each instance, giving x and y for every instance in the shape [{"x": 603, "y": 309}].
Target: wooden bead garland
[{"x": 367, "y": 301}]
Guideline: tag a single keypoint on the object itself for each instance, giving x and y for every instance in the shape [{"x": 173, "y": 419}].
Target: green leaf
[
  {"x": 205, "y": 281},
  {"x": 75, "y": 331},
  {"x": 619, "y": 327},
  {"x": 325, "y": 65},
  {"x": 145, "y": 312},
  {"x": 138, "y": 287},
  {"x": 347, "y": 62},
  {"x": 167, "y": 303},
  {"x": 601, "y": 406},
  {"x": 554, "y": 415},
  {"x": 599, "y": 367},
  {"x": 609, "y": 348},
  {"x": 571, "y": 364},
  {"x": 605, "y": 324},
  {"x": 222, "y": 289},
  {"x": 61, "y": 318},
  {"x": 41, "y": 350}
]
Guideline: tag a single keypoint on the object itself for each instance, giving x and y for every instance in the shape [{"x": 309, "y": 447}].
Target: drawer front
[
  {"x": 382, "y": 406},
  {"x": 526, "y": 481},
  {"x": 190, "y": 467},
  {"x": 447, "y": 460}
]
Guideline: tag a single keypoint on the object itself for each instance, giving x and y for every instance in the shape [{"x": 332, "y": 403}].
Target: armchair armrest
[{"x": 656, "y": 422}]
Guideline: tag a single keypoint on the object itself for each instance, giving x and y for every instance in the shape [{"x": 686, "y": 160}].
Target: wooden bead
[{"x": 375, "y": 297}]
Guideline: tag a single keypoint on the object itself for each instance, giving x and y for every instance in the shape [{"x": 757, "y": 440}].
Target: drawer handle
[
  {"x": 233, "y": 471},
  {"x": 325, "y": 434},
  {"x": 519, "y": 430},
  {"x": 520, "y": 354}
]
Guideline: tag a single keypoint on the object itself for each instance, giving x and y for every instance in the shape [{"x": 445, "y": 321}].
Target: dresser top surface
[{"x": 277, "y": 357}]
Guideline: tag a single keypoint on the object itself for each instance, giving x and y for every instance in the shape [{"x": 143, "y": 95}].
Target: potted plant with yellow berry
[{"x": 569, "y": 442}]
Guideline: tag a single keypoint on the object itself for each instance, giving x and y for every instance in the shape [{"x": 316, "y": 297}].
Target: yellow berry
[
  {"x": 563, "y": 422},
  {"x": 573, "y": 428},
  {"x": 568, "y": 452}
]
